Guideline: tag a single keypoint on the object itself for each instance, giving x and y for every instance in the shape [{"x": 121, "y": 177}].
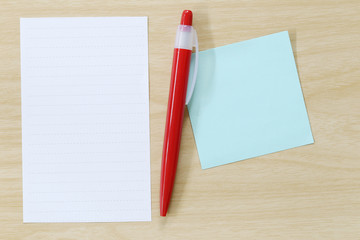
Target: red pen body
[{"x": 174, "y": 117}]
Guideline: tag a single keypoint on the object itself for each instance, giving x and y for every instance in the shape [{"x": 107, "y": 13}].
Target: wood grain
[{"x": 310, "y": 192}]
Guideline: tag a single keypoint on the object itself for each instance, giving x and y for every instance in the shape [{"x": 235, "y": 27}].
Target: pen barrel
[{"x": 174, "y": 122}]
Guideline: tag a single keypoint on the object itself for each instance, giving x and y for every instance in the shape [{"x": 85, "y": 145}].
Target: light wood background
[{"x": 310, "y": 192}]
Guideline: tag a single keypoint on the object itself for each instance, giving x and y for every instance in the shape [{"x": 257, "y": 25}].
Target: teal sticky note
[{"x": 248, "y": 101}]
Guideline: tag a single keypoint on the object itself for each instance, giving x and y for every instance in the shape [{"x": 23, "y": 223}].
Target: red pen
[{"x": 186, "y": 38}]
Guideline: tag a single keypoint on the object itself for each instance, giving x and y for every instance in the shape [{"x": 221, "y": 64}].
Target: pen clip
[{"x": 193, "y": 81}]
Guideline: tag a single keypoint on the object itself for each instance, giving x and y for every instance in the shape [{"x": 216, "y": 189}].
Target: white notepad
[{"x": 85, "y": 119}]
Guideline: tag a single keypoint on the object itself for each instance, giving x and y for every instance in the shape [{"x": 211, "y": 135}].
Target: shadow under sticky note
[{"x": 248, "y": 101}]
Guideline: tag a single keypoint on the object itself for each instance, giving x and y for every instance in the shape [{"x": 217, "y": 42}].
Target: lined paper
[{"x": 85, "y": 119}]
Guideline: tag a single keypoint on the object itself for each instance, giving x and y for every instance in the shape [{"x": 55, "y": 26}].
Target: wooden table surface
[{"x": 310, "y": 192}]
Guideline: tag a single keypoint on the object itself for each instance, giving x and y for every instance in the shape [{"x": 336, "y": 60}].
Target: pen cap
[{"x": 186, "y": 38}]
